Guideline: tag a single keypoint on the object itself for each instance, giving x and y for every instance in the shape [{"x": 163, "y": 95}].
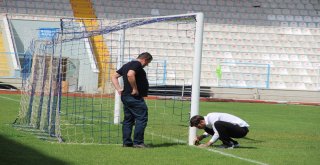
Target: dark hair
[
  {"x": 195, "y": 120},
  {"x": 145, "y": 55}
]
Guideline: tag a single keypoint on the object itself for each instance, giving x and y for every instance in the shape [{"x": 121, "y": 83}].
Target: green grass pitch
[{"x": 282, "y": 134}]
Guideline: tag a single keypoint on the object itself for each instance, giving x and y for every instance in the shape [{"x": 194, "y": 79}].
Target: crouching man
[{"x": 222, "y": 126}]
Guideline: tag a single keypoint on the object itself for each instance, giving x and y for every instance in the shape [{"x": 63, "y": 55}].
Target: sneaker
[
  {"x": 230, "y": 145},
  {"x": 226, "y": 146},
  {"x": 140, "y": 146},
  {"x": 127, "y": 145},
  {"x": 236, "y": 144}
]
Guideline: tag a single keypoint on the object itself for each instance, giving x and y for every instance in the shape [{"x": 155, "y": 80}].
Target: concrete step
[{"x": 16, "y": 82}]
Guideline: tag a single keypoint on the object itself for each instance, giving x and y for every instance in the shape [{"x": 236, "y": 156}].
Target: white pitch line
[
  {"x": 237, "y": 157},
  {"x": 10, "y": 99},
  {"x": 168, "y": 138},
  {"x": 212, "y": 150},
  {"x": 97, "y": 144}
]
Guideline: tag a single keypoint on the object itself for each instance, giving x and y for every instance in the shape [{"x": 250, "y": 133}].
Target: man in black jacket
[{"x": 136, "y": 87}]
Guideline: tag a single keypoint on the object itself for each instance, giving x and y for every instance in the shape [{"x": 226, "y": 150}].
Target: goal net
[
  {"x": 67, "y": 90},
  {"x": 243, "y": 75}
]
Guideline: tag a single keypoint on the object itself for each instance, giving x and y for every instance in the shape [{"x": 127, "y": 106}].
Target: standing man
[
  {"x": 221, "y": 126},
  {"x": 136, "y": 87}
]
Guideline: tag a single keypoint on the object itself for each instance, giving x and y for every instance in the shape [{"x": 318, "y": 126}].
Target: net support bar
[
  {"x": 196, "y": 74},
  {"x": 117, "y": 106}
]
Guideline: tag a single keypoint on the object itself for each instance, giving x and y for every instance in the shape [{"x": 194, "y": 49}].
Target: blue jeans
[{"x": 135, "y": 113}]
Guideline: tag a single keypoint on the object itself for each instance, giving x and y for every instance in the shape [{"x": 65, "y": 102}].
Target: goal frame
[{"x": 54, "y": 47}]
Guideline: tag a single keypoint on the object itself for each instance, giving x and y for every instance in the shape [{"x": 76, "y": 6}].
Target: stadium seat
[
  {"x": 21, "y": 4},
  {"x": 279, "y": 32},
  {"x": 22, "y": 10}
]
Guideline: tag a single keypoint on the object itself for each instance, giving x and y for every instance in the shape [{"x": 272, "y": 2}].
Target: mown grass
[{"x": 279, "y": 134}]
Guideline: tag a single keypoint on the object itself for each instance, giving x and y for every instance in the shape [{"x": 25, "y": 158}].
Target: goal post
[
  {"x": 117, "y": 106},
  {"x": 70, "y": 96},
  {"x": 195, "y": 96}
]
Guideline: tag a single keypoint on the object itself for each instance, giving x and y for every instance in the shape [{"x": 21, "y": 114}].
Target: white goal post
[{"x": 195, "y": 95}]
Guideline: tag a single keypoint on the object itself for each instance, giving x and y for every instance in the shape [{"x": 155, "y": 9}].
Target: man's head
[
  {"x": 145, "y": 58},
  {"x": 198, "y": 121}
]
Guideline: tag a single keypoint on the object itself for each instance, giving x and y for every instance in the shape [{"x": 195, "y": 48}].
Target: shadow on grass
[
  {"x": 165, "y": 145},
  {"x": 240, "y": 147},
  {"x": 244, "y": 147},
  {"x": 183, "y": 125},
  {"x": 250, "y": 140},
  {"x": 12, "y": 152}
]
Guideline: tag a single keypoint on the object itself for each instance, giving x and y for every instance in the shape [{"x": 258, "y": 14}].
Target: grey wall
[{"x": 24, "y": 31}]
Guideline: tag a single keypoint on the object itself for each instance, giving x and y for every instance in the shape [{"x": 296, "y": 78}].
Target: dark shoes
[
  {"x": 225, "y": 146},
  {"x": 140, "y": 146},
  {"x": 127, "y": 145},
  {"x": 236, "y": 144},
  {"x": 230, "y": 145},
  {"x": 135, "y": 145}
]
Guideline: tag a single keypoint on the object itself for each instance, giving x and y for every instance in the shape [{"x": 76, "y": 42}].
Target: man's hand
[
  {"x": 132, "y": 81},
  {"x": 197, "y": 140},
  {"x": 134, "y": 92},
  {"x": 120, "y": 91},
  {"x": 205, "y": 145},
  {"x": 116, "y": 84}
]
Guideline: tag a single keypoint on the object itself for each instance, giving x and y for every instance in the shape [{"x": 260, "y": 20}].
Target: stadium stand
[
  {"x": 280, "y": 37},
  {"x": 4, "y": 67},
  {"x": 243, "y": 32}
]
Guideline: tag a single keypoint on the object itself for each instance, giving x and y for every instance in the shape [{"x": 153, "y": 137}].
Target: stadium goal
[{"x": 67, "y": 91}]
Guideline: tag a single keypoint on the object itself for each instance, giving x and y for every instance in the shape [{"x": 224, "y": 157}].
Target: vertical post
[
  {"x": 268, "y": 77},
  {"x": 117, "y": 99},
  {"x": 318, "y": 82},
  {"x": 196, "y": 74},
  {"x": 10, "y": 39}
]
